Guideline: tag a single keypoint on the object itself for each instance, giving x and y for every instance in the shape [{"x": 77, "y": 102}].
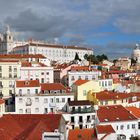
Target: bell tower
[{"x": 8, "y": 40}]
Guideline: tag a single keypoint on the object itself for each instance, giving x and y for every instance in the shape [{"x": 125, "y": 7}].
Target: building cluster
[{"x": 46, "y": 94}]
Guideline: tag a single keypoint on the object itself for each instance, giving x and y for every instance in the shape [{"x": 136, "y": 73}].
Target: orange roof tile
[
  {"x": 52, "y": 86},
  {"x": 108, "y": 95},
  {"x": 118, "y": 113},
  {"x": 27, "y": 83},
  {"x": 80, "y": 82},
  {"x": 134, "y": 110},
  {"x": 27, "y": 126},
  {"x": 19, "y": 56},
  {"x": 103, "y": 129},
  {"x": 82, "y": 68},
  {"x": 83, "y": 134}
]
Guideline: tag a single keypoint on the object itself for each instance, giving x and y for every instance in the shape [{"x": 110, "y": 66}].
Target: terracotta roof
[
  {"x": 9, "y": 60},
  {"x": 52, "y": 86},
  {"x": 52, "y": 46},
  {"x": 27, "y": 126},
  {"x": 80, "y": 82},
  {"x": 80, "y": 102},
  {"x": 20, "y": 56},
  {"x": 82, "y": 68},
  {"x": 118, "y": 113},
  {"x": 135, "y": 111},
  {"x": 27, "y": 83},
  {"x": 82, "y": 134},
  {"x": 25, "y": 64},
  {"x": 103, "y": 129},
  {"x": 29, "y": 64},
  {"x": 108, "y": 95}
]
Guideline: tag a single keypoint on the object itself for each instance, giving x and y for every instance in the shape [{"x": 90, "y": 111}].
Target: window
[
  {"x": 57, "y": 100},
  {"x": 121, "y": 127},
  {"x": 133, "y": 126},
  {"x": 72, "y": 119},
  {"x": 86, "y": 77},
  {"x": 45, "y": 100},
  {"x": 10, "y": 75},
  {"x": 84, "y": 92},
  {"x": 20, "y": 111},
  {"x": 36, "y": 91},
  {"x": 45, "y": 110},
  {"x": 20, "y": 91},
  {"x": 15, "y": 69},
  {"x": 42, "y": 80},
  {"x": 36, "y": 99},
  {"x": 42, "y": 73},
  {"x": 105, "y": 83},
  {"x": 28, "y": 91},
  {"x": 79, "y": 77},
  {"x": 10, "y": 68},
  {"x": 93, "y": 77},
  {"x": 0, "y": 68},
  {"x": 36, "y": 110},
  {"x": 20, "y": 100},
  {"x": 15, "y": 75},
  {"x": 72, "y": 78},
  {"x": 28, "y": 111},
  {"x": 63, "y": 100},
  {"x": 51, "y": 100},
  {"x": 47, "y": 73},
  {"x": 138, "y": 125},
  {"x": 128, "y": 126},
  {"x": 117, "y": 127},
  {"x": 0, "y": 75},
  {"x": 114, "y": 101},
  {"x": 10, "y": 92}
]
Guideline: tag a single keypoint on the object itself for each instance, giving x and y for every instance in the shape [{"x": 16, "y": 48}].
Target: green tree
[{"x": 77, "y": 57}]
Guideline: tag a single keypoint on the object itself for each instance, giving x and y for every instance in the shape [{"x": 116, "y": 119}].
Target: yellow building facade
[{"x": 9, "y": 73}]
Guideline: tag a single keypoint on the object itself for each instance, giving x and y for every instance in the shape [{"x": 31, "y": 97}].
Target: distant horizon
[{"x": 109, "y": 27}]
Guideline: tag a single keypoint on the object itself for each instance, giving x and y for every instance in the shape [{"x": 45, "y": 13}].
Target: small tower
[{"x": 7, "y": 40}]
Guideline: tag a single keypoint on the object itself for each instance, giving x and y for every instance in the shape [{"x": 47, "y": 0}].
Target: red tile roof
[
  {"x": 27, "y": 127},
  {"x": 80, "y": 82},
  {"x": 118, "y": 113},
  {"x": 29, "y": 64},
  {"x": 27, "y": 83},
  {"x": 20, "y": 56},
  {"x": 82, "y": 134},
  {"x": 53, "y": 46},
  {"x": 52, "y": 86},
  {"x": 103, "y": 129},
  {"x": 9, "y": 60},
  {"x": 107, "y": 95},
  {"x": 82, "y": 68},
  {"x": 135, "y": 111}
]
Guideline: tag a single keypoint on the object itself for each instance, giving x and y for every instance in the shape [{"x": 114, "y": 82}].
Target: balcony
[{"x": 83, "y": 110}]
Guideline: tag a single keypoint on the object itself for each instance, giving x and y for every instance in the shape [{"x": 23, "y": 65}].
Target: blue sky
[{"x": 111, "y": 27}]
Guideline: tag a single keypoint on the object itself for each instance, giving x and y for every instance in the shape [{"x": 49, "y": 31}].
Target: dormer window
[{"x": 26, "y": 83}]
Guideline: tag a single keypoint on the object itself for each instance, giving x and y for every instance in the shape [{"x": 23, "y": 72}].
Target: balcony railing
[{"x": 85, "y": 110}]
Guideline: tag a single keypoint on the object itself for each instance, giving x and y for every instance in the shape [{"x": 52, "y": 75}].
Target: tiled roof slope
[
  {"x": 27, "y": 83},
  {"x": 80, "y": 82},
  {"x": 103, "y": 129},
  {"x": 114, "y": 113},
  {"x": 134, "y": 110},
  {"x": 82, "y": 134},
  {"x": 27, "y": 127}
]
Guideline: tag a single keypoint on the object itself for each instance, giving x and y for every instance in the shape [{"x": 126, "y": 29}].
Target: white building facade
[{"x": 41, "y": 104}]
